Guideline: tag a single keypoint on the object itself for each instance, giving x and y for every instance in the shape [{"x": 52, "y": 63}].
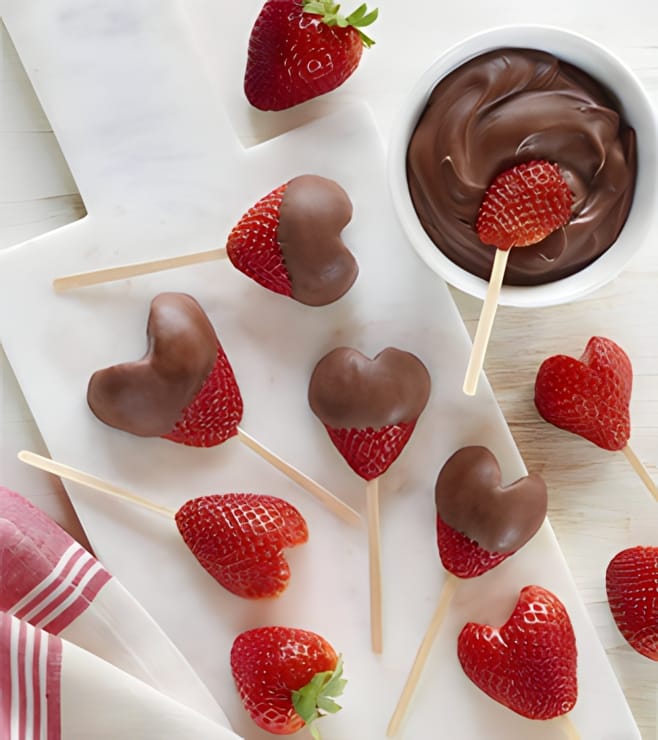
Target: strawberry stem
[
  {"x": 317, "y": 698},
  {"x": 359, "y": 19}
]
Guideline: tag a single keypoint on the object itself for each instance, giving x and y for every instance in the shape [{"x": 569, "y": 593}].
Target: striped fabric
[
  {"x": 64, "y": 593},
  {"x": 30, "y": 672},
  {"x": 46, "y": 578}
]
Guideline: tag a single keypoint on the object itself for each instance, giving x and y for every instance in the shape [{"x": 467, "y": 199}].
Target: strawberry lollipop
[
  {"x": 370, "y": 409},
  {"x": 238, "y": 538},
  {"x": 529, "y": 663},
  {"x": 631, "y": 582},
  {"x": 183, "y": 389},
  {"x": 479, "y": 524},
  {"x": 289, "y": 242},
  {"x": 522, "y": 206},
  {"x": 590, "y": 397}
]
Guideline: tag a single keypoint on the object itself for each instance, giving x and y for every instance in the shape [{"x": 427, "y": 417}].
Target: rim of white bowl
[{"x": 636, "y": 109}]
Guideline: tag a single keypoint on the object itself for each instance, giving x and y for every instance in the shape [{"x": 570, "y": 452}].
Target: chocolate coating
[
  {"x": 503, "y": 108},
  {"x": 348, "y": 390},
  {"x": 470, "y": 499},
  {"x": 147, "y": 397},
  {"x": 313, "y": 212}
]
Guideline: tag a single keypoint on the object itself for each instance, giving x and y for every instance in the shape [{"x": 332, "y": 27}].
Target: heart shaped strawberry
[
  {"x": 299, "y": 49},
  {"x": 631, "y": 582},
  {"x": 470, "y": 499},
  {"x": 183, "y": 389},
  {"x": 239, "y": 539},
  {"x": 369, "y": 407},
  {"x": 529, "y": 664},
  {"x": 589, "y": 397},
  {"x": 290, "y": 243}
]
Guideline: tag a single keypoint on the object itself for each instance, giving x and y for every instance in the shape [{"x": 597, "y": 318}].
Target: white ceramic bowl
[{"x": 635, "y": 107}]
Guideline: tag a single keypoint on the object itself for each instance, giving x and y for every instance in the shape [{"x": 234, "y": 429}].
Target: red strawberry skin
[
  {"x": 589, "y": 397},
  {"x": 370, "y": 452},
  {"x": 239, "y": 539},
  {"x": 215, "y": 412},
  {"x": 462, "y": 556},
  {"x": 253, "y": 245},
  {"x": 530, "y": 663},
  {"x": 294, "y": 56},
  {"x": 631, "y": 582},
  {"x": 268, "y": 664},
  {"x": 523, "y": 205}
]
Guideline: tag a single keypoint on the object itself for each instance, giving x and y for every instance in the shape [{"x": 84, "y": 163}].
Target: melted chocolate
[
  {"x": 313, "y": 212},
  {"x": 507, "y": 107},
  {"x": 147, "y": 397},
  {"x": 350, "y": 391},
  {"x": 470, "y": 499}
]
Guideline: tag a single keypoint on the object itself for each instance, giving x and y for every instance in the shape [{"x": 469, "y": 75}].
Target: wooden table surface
[{"x": 598, "y": 506}]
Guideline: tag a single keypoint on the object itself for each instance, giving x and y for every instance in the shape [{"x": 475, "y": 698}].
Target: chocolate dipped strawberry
[
  {"x": 631, "y": 582},
  {"x": 290, "y": 241},
  {"x": 529, "y": 664},
  {"x": 287, "y": 678},
  {"x": 480, "y": 522},
  {"x": 182, "y": 389},
  {"x": 239, "y": 540},
  {"x": 300, "y": 49},
  {"x": 369, "y": 407}
]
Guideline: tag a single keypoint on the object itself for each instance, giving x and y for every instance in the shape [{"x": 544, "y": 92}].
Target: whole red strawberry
[
  {"x": 287, "y": 678},
  {"x": 523, "y": 205},
  {"x": 299, "y": 49},
  {"x": 528, "y": 664},
  {"x": 290, "y": 241},
  {"x": 589, "y": 397},
  {"x": 631, "y": 582},
  {"x": 239, "y": 539}
]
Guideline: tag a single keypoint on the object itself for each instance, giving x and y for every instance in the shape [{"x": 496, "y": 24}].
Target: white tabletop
[{"x": 597, "y": 505}]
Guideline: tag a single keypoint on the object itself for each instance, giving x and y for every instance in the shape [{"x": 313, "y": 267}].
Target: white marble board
[{"x": 161, "y": 171}]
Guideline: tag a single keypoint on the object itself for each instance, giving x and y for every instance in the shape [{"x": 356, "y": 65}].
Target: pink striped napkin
[
  {"x": 51, "y": 689},
  {"x": 50, "y": 581}
]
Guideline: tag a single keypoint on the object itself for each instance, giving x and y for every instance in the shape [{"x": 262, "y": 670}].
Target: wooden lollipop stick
[
  {"x": 77, "y": 476},
  {"x": 333, "y": 503},
  {"x": 634, "y": 460},
  {"x": 447, "y": 593},
  {"x": 485, "y": 322},
  {"x": 568, "y": 728},
  {"x": 374, "y": 560},
  {"x": 108, "y": 275}
]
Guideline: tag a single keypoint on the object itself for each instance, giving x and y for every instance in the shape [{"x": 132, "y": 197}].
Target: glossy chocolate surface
[
  {"x": 470, "y": 498},
  {"x": 351, "y": 391},
  {"x": 146, "y": 397},
  {"x": 503, "y": 108},
  {"x": 312, "y": 215}
]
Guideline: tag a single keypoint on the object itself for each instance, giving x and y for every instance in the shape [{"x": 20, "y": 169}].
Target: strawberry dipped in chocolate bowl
[
  {"x": 507, "y": 98},
  {"x": 505, "y": 108}
]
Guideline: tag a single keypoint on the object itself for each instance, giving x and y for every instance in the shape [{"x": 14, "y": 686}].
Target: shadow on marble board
[{"x": 37, "y": 191}]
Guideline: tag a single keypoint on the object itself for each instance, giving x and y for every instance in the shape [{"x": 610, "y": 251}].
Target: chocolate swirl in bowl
[{"x": 510, "y": 106}]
